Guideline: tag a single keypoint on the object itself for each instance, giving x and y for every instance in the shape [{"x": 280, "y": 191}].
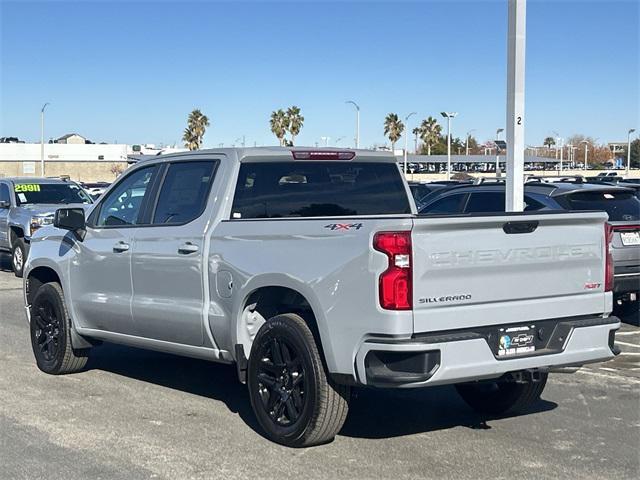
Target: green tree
[
  {"x": 295, "y": 122},
  {"x": 197, "y": 124},
  {"x": 549, "y": 142},
  {"x": 279, "y": 125},
  {"x": 417, "y": 131},
  {"x": 430, "y": 132},
  {"x": 393, "y": 128}
]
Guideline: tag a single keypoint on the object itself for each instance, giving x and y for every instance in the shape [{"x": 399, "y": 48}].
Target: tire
[
  {"x": 502, "y": 397},
  {"x": 295, "y": 403},
  {"x": 19, "y": 254},
  {"x": 50, "y": 333}
]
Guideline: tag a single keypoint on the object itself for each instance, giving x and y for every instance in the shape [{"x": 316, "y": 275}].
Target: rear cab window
[
  {"x": 318, "y": 189},
  {"x": 620, "y": 205}
]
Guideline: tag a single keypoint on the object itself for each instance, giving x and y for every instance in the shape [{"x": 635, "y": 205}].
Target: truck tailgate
[{"x": 508, "y": 268}]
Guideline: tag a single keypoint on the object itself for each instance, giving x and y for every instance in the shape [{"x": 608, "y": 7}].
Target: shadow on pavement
[
  {"x": 393, "y": 413},
  {"x": 5, "y": 262},
  {"x": 374, "y": 413},
  {"x": 628, "y": 312},
  {"x": 199, "y": 377}
]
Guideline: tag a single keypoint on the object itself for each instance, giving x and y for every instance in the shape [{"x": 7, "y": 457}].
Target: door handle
[
  {"x": 120, "y": 247},
  {"x": 187, "y": 248}
]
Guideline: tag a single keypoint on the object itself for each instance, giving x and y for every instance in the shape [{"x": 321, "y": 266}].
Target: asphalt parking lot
[{"x": 137, "y": 414}]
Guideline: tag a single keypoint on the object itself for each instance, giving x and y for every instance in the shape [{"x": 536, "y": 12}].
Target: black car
[
  {"x": 420, "y": 190},
  {"x": 620, "y": 203}
]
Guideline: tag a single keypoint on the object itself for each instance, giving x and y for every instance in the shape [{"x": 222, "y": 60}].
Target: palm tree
[
  {"x": 549, "y": 142},
  {"x": 295, "y": 121},
  {"x": 430, "y": 132},
  {"x": 279, "y": 124},
  {"x": 197, "y": 124},
  {"x": 393, "y": 128},
  {"x": 416, "y": 133}
]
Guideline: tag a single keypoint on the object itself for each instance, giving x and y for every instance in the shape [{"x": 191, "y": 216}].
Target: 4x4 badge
[{"x": 343, "y": 226}]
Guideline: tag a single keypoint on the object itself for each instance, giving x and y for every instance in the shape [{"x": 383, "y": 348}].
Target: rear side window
[
  {"x": 486, "y": 202},
  {"x": 184, "y": 192},
  {"x": 450, "y": 204},
  {"x": 318, "y": 189},
  {"x": 620, "y": 206}
]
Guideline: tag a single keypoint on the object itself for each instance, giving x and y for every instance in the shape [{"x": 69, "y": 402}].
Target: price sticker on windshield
[{"x": 27, "y": 187}]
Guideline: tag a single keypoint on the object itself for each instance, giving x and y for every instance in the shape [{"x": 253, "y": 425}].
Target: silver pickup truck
[
  {"x": 26, "y": 204},
  {"x": 311, "y": 271}
]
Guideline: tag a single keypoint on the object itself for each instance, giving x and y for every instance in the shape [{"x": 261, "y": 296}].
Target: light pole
[
  {"x": 42, "y": 139},
  {"x": 631, "y": 130},
  {"x": 467, "y": 144},
  {"x": 357, "y": 121},
  {"x": 449, "y": 116},
  {"x": 498, "y": 132},
  {"x": 586, "y": 153},
  {"x": 406, "y": 139},
  {"x": 338, "y": 140}
]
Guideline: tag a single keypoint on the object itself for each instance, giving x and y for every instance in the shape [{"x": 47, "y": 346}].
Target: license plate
[
  {"x": 515, "y": 341},
  {"x": 630, "y": 238}
]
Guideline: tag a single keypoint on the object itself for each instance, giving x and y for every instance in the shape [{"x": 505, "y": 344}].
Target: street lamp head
[
  {"x": 44, "y": 106},
  {"x": 354, "y": 104},
  {"x": 411, "y": 114},
  {"x": 449, "y": 114},
  {"x": 499, "y": 131},
  {"x": 631, "y": 130}
]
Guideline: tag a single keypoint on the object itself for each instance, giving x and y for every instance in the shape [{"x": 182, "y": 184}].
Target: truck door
[
  {"x": 167, "y": 262},
  {"x": 100, "y": 275}
]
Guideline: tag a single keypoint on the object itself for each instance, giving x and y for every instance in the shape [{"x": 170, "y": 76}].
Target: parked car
[
  {"x": 419, "y": 190},
  {"x": 26, "y": 204},
  {"x": 311, "y": 271},
  {"x": 621, "y": 204},
  {"x": 95, "y": 189}
]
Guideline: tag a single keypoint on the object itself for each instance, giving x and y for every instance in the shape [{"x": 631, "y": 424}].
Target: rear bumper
[{"x": 465, "y": 356}]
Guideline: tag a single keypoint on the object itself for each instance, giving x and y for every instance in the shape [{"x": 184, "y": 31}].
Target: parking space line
[
  {"x": 628, "y": 333},
  {"x": 609, "y": 375},
  {"x": 635, "y": 345}
]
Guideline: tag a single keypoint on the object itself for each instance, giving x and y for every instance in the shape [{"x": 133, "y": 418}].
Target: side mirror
[
  {"x": 4, "y": 204},
  {"x": 71, "y": 219}
]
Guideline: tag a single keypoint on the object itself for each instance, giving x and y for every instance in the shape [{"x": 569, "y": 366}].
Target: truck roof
[
  {"x": 275, "y": 154},
  {"x": 36, "y": 180}
]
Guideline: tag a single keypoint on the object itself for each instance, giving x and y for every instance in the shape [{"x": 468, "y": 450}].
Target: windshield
[
  {"x": 50, "y": 193},
  {"x": 621, "y": 206}
]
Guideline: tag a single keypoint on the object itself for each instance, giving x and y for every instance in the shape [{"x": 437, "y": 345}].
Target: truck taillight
[
  {"x": 608, "y": 269},
  {"x": 395, "y": 283}
]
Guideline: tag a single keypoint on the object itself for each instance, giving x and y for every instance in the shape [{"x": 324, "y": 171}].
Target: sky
[{"x": 132, "y": 71}]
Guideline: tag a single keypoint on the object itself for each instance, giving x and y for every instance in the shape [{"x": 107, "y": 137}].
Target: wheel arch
[
  {"x": 40, "y": 275},
  {"x": 15, "y": 232},
  {"x": 265, "y": 300}
]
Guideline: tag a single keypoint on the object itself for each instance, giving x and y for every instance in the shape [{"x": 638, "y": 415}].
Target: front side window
[
  {"x": 318, "y": 189},
  {"x": 49, "y": 193},
  {"x": 122, "y": 205},
  {"x": 184, "y": 192}
]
